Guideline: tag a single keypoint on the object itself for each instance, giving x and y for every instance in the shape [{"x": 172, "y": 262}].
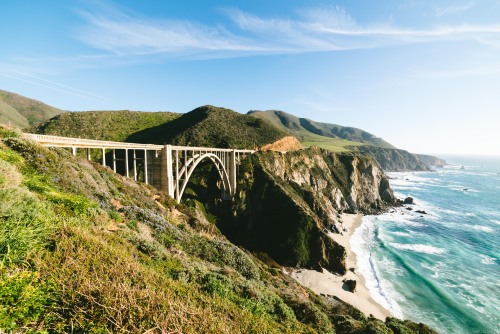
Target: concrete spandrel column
[
  {"x": 126, "y": 162},
  {"x": 103, "y": 156},
  {"x": 232, "y": 171},
  {"x": 146, "y": 166},
  {"x": 114, "y": 161},
  {"x": 135, "y": 166}
]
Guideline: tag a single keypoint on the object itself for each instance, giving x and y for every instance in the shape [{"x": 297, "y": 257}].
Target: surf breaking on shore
[{"x": 327, "y": 283}]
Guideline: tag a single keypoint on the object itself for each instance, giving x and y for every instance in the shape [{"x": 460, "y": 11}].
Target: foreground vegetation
[{"x": 85, "y": 250}]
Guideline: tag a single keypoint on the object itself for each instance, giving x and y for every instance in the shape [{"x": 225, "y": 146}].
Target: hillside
[
  {"x": 214, "y": 127},
  {"x": 24, "y": 112},
  {"x": 85, "y": 250},
  {"x": 328, "y": 136},
  {"x": 104, "y": 125}
]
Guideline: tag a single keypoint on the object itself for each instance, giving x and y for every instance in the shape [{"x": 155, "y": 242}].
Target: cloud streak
[{"x": 328, "y": 28}]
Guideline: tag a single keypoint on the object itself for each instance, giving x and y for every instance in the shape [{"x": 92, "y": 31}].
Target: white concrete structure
[{"x": 166, "y": 167}]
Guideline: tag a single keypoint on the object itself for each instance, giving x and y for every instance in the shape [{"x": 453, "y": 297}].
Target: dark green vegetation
[
  {"x": 104, "y": 125},
  {"x": 213, "y": 127},
  {"x": 23, "y": 112},
  {"x": 205, "y": 126},
  {"x": 85, "y": 250},
  {"x": 286, "y": 202},
  {"x": 332, "y": 137}
]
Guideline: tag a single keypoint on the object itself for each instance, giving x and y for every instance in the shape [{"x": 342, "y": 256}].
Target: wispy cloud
[
  {"x": 327, "y": 28},
  {"x": 454, "y": 9},
  {"x": 52, "y": 85}
]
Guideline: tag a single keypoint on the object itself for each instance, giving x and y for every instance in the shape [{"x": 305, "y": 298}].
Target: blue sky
[{"x": 424, "y": 75}]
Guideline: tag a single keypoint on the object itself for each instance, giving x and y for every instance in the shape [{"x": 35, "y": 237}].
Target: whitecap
[
  {"x": 419, "y": 248},
  {"x": 401, "y": 234},
  {"x": 485, "y": 259},
  {"x": 496, "y": 222},
  {"x": 483, "y": 228}
]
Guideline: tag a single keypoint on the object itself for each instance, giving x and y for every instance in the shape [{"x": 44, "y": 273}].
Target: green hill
[
  {"x": 104, "y": 125},
  {"x": 85, "y": 250},
  {"x": 23, "y": 112},
  {"x": 214, "y": 127},
  {"x": 328, "y": 136}
]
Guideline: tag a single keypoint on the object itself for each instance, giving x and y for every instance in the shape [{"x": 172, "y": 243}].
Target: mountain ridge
[{"x": 24, "y": 112}]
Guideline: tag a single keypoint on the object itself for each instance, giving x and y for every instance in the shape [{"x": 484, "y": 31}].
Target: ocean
[{"x": 441, "y": 267}]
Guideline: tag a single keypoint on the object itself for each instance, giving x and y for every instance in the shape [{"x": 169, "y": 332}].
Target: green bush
[{"x": 24, "y": 297}]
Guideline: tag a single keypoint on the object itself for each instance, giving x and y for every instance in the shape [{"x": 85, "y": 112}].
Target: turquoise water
[{"x": 441, "y": 268}]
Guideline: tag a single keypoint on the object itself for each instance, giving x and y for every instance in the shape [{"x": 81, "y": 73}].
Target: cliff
[
  {"x": 431, "y": 160},
  {"x": 393, "y": 160},
  {"x": 286, "y": 203}
]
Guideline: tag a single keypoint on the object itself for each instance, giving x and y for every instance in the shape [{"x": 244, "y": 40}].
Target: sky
[{"x": 423, "y": 75}]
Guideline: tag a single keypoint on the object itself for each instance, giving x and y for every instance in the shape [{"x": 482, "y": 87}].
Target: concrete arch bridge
[{"x": 166, "y": 167}]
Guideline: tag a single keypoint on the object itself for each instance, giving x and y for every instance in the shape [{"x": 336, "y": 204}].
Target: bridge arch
[{"x": 191, "y": 164}]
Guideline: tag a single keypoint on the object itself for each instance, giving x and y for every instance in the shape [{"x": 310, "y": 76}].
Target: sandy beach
[{"x": 332, "y": 284}]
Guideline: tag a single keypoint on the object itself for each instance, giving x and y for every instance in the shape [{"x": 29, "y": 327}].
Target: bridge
[{"x": 166, "y": 167}]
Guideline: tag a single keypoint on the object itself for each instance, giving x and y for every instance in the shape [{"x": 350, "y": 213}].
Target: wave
[
  {"x": 419, "y": 248},
  {"x": 381, "y": 292},
  {"x": 483, "y": 228},
  {"x": 496, "y": 222},
  {"x": 401, "y": 234},
  {"x": 485, "y": 259}
]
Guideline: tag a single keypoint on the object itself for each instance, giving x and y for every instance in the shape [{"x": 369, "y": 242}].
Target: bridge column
[
  {"x": 145, "y": 166},
  {"x": 103, "y": 156},
  {"x": 126, "y": 162},
  {"x": 114, "y": 161},
  {"x": 232, "y": 172},
  {"x": 167, "y": 171},
  {"x": 74, "y": 150},
  {"x": 135, "y": 166}
]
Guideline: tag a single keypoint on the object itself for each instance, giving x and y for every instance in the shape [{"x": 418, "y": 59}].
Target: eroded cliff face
[
  {"x": 286, "y": 204},
  {"x": 394, "y": 160}
]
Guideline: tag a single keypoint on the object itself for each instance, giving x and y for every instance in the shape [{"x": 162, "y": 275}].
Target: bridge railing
[{"x": 86, "y": 143}]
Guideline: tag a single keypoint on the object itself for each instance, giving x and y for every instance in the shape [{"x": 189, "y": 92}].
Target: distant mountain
[
  {"x": 104, "y": 125},
  {"x": 24, "y": 112},
  {"x": 214, "y": 127},
  {"x": 308, "y": 131}
]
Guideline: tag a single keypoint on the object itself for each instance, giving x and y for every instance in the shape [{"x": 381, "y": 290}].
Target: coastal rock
[
  {"x": 408, "y": 200},
  {"x": 421, "y": 211},
  {"x": 349, "y": 285}
]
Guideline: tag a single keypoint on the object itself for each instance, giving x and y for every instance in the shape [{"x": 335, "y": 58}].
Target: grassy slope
[
  {"x": 104, "y": 125},
  {"x": 214, "y": 127},
  {"x": 328, "y": 136},
  {"x": 85, "y": 250},
  {"x": 22, "y": 111}
]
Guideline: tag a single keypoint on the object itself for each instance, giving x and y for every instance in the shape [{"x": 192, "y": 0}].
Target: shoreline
[{"x": 327, "y": 283}]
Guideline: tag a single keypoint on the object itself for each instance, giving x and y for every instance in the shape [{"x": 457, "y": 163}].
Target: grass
[
  {"x": 336, "y": 145},
  {"x": 79, "y": 255},
  {"x": 104, "y": 125},
  {"x": 22, "y": 111}
]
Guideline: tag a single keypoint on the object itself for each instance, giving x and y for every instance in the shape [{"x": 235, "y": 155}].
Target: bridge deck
[{"x": 57, "y": 141}]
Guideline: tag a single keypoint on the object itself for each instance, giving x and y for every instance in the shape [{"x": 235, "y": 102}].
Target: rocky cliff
[
  {"x": 393, "y": 160},
  {"x": 431, "y": 160},
  {"x": 286, "y": 204}
]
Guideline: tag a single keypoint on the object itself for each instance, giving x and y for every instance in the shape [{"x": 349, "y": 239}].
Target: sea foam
[{"x": 419, "y": 248}]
